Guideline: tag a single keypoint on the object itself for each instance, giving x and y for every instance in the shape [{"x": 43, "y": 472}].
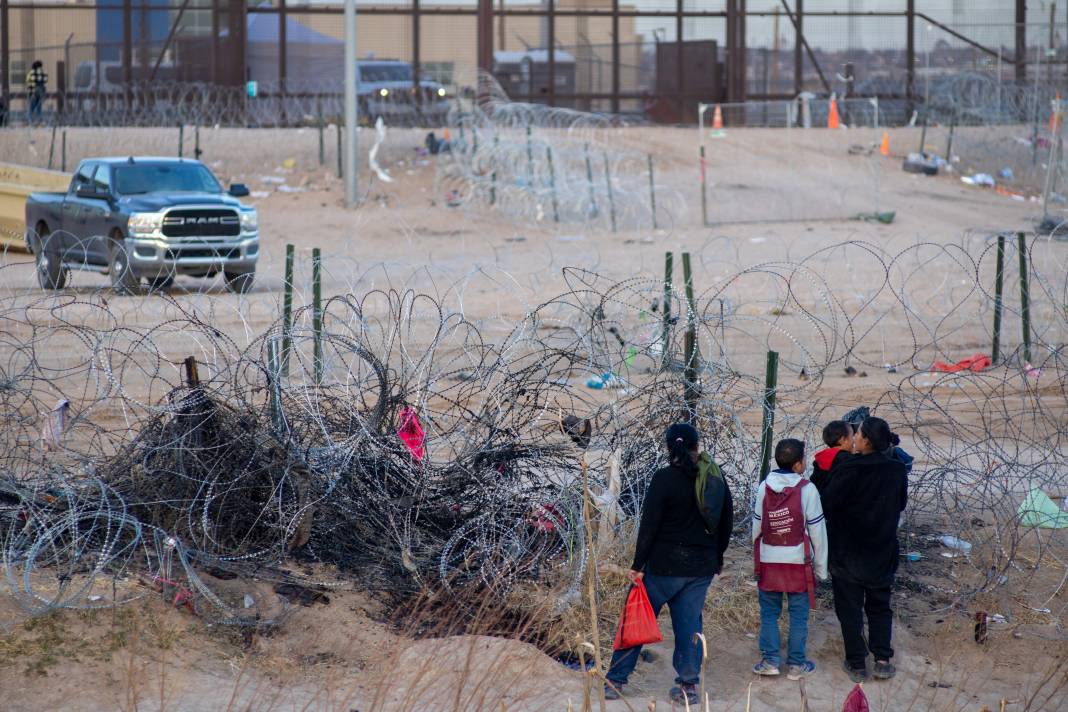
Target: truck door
[
  {"x": 98, "y": 218},
  {"x": 73, "y": 223}
]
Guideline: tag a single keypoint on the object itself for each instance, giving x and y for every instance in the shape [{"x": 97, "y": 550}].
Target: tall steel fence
[{"x": 280, "y": 62}]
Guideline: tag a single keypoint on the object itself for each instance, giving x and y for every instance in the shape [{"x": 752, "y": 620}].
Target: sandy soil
[{"x": 775, "y": 197}]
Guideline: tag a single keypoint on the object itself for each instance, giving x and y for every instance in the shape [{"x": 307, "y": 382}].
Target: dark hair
[
  {"x": 878, "y": 433},
  {"x": 35, "y": 65},
  {"x": 788, "y": 453},
  {"x": 835, "y": 431},
  {"x": 681, "y": 439}
]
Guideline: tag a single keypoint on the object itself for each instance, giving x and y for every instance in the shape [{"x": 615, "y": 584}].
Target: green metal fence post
[
  {"x": 999, "y": 278},
  {"x": 1025, "y": 295},
  {"x": 611, "y": 198},
  {"x": 287, "y": 311},
  {"x": 589, "y": 181},
  {"x": 691, "y": 391},
  {"x": 552, "y": 183},
  {"x": 652, "y": 191},
  {"x": 669, "y": 268},
  {"x": 767, "y": 429}
]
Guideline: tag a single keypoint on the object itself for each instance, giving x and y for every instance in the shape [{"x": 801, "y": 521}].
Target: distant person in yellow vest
[{"x": 36, "y": 83}]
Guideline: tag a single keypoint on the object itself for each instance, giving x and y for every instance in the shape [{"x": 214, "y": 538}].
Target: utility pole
[{"x": 350, "y": 162}]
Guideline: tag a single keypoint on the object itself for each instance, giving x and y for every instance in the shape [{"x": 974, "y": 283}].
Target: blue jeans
[
  {"x": 770, "y": 610},
  {"x": 685, "y": 598}
]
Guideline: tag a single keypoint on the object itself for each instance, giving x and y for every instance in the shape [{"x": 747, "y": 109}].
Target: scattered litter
[
  {"x": 372, "y": 157},
  {"x": 272, "y": 179},
  {"x": 757, "y": 240},
  {"x": 850, "y": 371},
  {"x": 983, "y": 179},
  {"x": 977, "y": 362},
  {"x": 939, "y": 685},
  {"x": 570, "y": 238},
  {"x": 290, "y": 189},
  {"x": 1006, "y": 173},
  {"x": 890, "y": 368},
  {"x": 249, "y": 601},
  {"x": 259, "y": 194},
  {"x": 998, "y": 618},
  {"x": 953, "y": 542},
  {"x": 884, "y": 217},
  {"x": 1038, "y": 510},
  {"x": 913, "y": 556},
  {"x": 922, "y": 164},
  {"x": 94, "y": 599},
  {"x": 1031, "y": 370},
  {"x": 605, "y": 380},
  {"x": 949, "y": 555},
  {"x": 289, "y": 163}
]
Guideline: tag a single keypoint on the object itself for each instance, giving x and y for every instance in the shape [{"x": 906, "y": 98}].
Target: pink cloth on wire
[{"x": 411, "y": 433}]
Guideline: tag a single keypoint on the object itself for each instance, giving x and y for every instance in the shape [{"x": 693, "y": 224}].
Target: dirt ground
[{"x": 775, "y": 197}]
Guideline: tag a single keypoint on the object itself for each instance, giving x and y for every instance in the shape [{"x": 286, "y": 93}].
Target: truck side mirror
[
  {"x": 88, "y": 191},
  {"x": 238, "y": 190}
]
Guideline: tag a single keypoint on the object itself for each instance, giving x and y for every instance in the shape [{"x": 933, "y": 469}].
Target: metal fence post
[
  {"x": 767, "y": 428},
  {"x": 999, "y": 278}
]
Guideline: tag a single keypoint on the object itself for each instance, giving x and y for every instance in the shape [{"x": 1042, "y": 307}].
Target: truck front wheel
[
  {"x": 123, "y": 279},
  {"x": 239, "y": 282},
  {"x": 51, "y": 274}
]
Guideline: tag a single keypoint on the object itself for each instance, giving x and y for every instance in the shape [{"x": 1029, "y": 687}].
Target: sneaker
[
  {"x": 796, "y": 672},
  {"x": 685, "y": 694},
  {"x": 613, "y": 690},
  {"x": 884, "y": 670},
  {"x": 766, "y": 667},
  {"x": 856, "y": 674}
]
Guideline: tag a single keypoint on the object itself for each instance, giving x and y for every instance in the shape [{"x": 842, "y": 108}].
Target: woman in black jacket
[
  {"x": 863, "y": 501},
  {"x": 677, "y": 552}
]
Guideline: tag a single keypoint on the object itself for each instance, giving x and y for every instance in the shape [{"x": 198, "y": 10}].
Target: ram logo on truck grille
[{"x": 201, "y": 222}]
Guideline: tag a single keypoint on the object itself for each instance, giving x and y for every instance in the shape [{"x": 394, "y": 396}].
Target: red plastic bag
[
  {"x": 411, "y": 432},
  {"x": 857, "y": 701},
  {"x": 637, "y": 623}
]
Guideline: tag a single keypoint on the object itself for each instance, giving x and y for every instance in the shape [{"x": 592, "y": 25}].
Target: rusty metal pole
[
  {"x": 615, "y": 57},
  {"x": 127, "y": 49},
  {"x": 550, "y": 7},
  {"x": 5, "y": 58},
  {"x": 283, "y": 69},
  {"x": 910, "y": 56}
]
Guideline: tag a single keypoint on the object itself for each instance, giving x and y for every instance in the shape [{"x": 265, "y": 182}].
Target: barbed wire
[{"x": 183, "y": 484}]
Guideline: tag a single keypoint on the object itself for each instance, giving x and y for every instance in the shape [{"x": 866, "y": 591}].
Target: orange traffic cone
[
  {"x": 717, "y": 118},
  {"x": 446, "y": 133},
  {"x": 884, "y": 147},
  {"x": 832, "y": 114},
  {"x": 1055, "y": 116}
]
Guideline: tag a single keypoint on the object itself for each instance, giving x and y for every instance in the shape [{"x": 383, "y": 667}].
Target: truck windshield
[
  {"x": 164, "y": 178},
  {"x": 385, "y": 72}
]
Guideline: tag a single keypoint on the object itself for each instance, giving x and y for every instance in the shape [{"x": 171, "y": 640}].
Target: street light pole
[{"x": 350, "y": 163}]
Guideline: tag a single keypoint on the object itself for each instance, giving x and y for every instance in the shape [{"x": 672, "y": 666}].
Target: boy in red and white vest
[{"x": 789, "y": 553}]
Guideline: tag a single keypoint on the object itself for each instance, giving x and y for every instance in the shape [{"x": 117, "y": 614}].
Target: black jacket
[
  {"x": 672, "y": 536},
  {"x": 863, "y": 500}
]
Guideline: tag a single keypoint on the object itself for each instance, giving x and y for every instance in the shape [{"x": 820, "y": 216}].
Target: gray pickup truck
[{"x": 143, "y": 218}]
